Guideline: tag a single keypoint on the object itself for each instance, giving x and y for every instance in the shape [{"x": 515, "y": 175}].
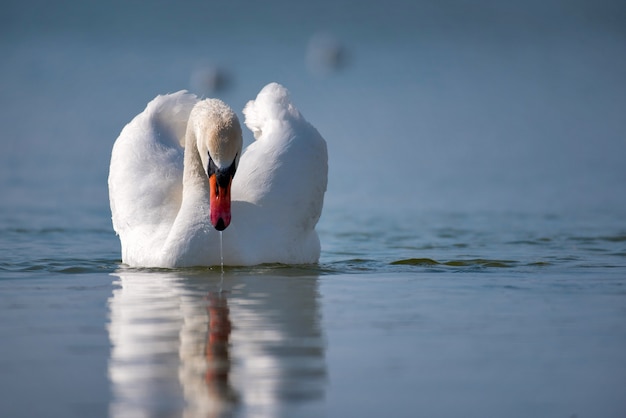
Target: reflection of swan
[
  {"x": 204, "y": 355},
  {"x": 170, "y": 183},
  {"x": 180, "y": 348},
  {"x": 145, "y": 322}
]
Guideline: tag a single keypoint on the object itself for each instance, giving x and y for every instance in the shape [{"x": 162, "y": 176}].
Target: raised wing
[{"x": 145, "y": 176}]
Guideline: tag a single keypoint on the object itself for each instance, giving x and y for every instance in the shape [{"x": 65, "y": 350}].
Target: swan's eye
[
  {"x": 212, "y": 168},
  {"x": 233, "y": 167}
]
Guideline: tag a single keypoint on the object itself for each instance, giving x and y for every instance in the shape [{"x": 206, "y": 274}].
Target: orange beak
[{"x": 220, "y": 200}]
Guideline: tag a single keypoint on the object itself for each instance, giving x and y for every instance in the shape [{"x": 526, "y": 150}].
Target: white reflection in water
[{"x": 181, "y": 346}]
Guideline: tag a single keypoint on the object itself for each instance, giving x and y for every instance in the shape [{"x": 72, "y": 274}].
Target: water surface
[{"x": 473, "y": 235}]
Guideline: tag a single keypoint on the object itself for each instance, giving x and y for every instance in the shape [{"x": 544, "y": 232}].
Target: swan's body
[{"x": 160, "y": 191}]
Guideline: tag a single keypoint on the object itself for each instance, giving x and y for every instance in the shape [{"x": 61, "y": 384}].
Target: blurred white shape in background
[
  {"x": 326, "y": 55},
  {"x": 210, "y": 79}
]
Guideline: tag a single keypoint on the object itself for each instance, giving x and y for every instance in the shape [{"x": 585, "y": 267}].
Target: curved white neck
[
  {"x": 193, "y": 173},
  {"x": 188, "y": 234}
]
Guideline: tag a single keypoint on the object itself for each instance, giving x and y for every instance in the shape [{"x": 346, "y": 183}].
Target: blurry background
[
  {"x": 514, "y": 106},
  {"x": 486, "y": 135}
]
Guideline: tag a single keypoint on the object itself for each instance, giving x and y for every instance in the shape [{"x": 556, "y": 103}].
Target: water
[
  {"x": 473, "y": 236},
  {"x": 221, "y": 252}
]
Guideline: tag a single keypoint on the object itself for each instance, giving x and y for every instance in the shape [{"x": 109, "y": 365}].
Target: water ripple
[
  {"x": 61, "y": 265},
  {"x": 479, "y": 262}
]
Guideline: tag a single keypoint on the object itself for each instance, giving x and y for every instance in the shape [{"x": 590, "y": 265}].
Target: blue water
[{"x": 473, "y": 235}]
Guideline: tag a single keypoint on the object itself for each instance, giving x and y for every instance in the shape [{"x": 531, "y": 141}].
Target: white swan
[{"x": 172, "y": 183}]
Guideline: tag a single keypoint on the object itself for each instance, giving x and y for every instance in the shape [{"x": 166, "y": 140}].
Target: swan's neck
[
  {"x": 188, "y": 236},
  {"x": 194, "y": 176}
]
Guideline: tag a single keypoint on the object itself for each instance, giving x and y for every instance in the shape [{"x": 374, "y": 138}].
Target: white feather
[{"x": 277, "y": 192}]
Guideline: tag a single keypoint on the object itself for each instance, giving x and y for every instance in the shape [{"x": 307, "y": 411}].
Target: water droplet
[{"x": 221, "y": 252}]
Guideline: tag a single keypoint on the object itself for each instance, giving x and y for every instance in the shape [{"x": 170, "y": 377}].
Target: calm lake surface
[{"x": 473, "y": 236}]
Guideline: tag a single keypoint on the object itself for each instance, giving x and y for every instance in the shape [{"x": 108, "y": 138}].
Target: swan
[{"x": 178, "y": 179}]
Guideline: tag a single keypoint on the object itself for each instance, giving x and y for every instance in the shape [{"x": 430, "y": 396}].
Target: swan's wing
[
  {"x": 284, "y": 174},
  {"x": 145, "y": 177}
]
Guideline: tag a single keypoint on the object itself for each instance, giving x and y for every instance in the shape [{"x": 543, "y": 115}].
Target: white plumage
[{"x": 159, "y": 189}]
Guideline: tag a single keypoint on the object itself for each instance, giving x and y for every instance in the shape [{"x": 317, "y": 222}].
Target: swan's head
[{"x": 218, "y": 135}]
